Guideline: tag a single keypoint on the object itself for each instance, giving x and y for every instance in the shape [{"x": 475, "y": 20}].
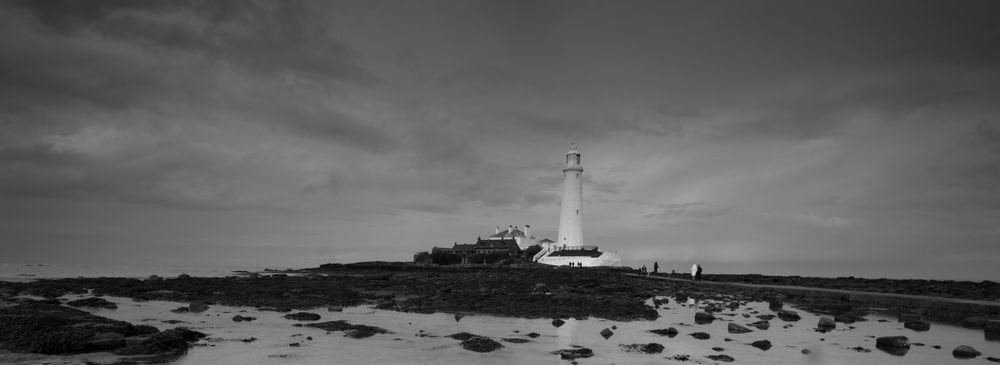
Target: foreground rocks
[
  {"x": 648, "y": 348},
  {"x": 896, "y": 345},
  {"x": 53, "y": 329},
  {"x": 350, "y": 330},
  {"x": 965, "y": 352}
]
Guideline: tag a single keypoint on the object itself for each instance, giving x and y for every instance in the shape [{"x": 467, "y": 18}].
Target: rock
[
  {"x": 303, "y": 316},
  {"x": 703, "y": 318},
  {"x": 558, "y": 322},
  {"x": 806, "y": 351},
  {"x": 992, "y": 330},
  {"x": 183, "y": 276},
  {"x": 181, "y": 310},
  {"x": 649, "y": 348},
  {"x": 775, "y": 304},
  {"x": 574, "y": 353},
  {"x": 701, "y": 335},
  {"x": 607, "y": 333},
  {"x": 533, "y": 335},
  {"x": 761, "y": 325},
  {"x": 239, "y": 318},
  {"x": 896, "y": 345},
  {"x": 459, "y": 316},
  {"x": 154, "y": 278},
  {"x": 92, "y": 303},
  {"x": 917, "y": 325},
  {"x": 766, "y": 317},
  {"x": 481, "y": 344},
  {"x": 787, "y": 315},
  {"x": 826, "y": 323},
  {"x": 718, "y": 349},
  {"x": 669, "y": 332},
  {"x": 350, "y": 330},
  {"x": 735, "y": 328},
  {"x": 721, "y": 357},
  {"x": 295, "y": 344},
  {"x": 860, "y": 349},
  {"x": 762, "y": 344},
  {"x": 515, "y": 340},
  {"x": 334, "y": 308},
  {"x": 173, "y": 341},
  {"x": 197, "y": 306},
  {"x": 965, "y": 352},
  {"x": 34, "y": 327},
  {"x": 993, "y": 359}
]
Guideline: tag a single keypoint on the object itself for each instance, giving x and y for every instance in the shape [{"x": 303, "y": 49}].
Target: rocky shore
[{"x": 52, "y": 327}]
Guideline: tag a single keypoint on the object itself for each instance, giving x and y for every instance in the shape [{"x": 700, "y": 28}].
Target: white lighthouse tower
[{"x": 571, "y": 217}]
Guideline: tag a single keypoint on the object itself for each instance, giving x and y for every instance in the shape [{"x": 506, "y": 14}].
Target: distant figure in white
[{"x": 694, "y": 271}]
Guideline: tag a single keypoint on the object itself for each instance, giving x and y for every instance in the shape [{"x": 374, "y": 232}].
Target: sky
[{"x": 839, "y": 138}]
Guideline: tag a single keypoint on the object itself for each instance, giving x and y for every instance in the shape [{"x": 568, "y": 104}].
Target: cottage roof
[{"x": 510, "y": 233}]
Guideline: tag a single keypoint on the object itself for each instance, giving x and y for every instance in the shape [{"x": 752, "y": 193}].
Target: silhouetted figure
[
  {"x": 698, "y": 274},
  {"x": 579, "y": 264},
  {"x": 656, "y": 267},
  {"x": 643, "y": 270}
]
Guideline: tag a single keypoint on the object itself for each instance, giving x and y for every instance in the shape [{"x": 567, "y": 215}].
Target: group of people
[
  {"x": 696, "y": 272},
  {"x": 656, "y": 269},
  {"x": 576, "y": 264}
]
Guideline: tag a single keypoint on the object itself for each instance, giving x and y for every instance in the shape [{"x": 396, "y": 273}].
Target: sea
[{"x": 30, "y": 272}]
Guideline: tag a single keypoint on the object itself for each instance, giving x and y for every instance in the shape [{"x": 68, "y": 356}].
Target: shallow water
[
  {"x": 404, "y": 346},
  {"x": 30, "y": 272}
]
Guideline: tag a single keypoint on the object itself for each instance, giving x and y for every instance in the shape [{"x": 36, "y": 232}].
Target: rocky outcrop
[
  {"x": 54, "y": 329},
  {"x": 92, "y": 303},
  {"x": 721, "y": 358},
  {"x": 762, "y": 344},
  {"x": 789, "y": 316},
  {"x": 350, "y": 330},
  {"x": 648, "y": 348},
  {"x": 239, "y": 318},
  {"x": 763, "y": 325},
  {"x": 896, "y": 345},
  {"x": 607, "y": 333},
  {"x": 303, "y": 316},
  {"x": 965, "y": 352},
  {"x": 558, "y": 322},
  {"x": 481, "y": 344}
]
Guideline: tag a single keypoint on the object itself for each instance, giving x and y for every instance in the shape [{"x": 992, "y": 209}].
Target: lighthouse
[{"x": 571, "y": 216}]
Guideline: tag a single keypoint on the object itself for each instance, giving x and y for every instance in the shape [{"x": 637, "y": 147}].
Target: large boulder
[
  {"x": 607, "y": 333},
  {"x": 896, "y": 345},
  {"x": 762, "y": 344},
  {"x": 558, "y": 322},
  {"x": 701, "y": 335},
  {"x": 721, "y": 358},
  {"x": 703, "y": 318},
  {"x": 965, "y": 352}
]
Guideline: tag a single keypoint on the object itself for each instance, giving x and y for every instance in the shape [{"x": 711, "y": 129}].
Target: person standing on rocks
[
  {"x": 698, "y": 274},
  {"x": 656, "y": 267},
  {"x": 694, "y": 272}
]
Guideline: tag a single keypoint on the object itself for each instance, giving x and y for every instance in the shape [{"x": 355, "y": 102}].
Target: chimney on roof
[
  {"x": 510, "y": 229},
  {"x": 498, "y": 230},
  {"x": 527, "y": 236}
]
